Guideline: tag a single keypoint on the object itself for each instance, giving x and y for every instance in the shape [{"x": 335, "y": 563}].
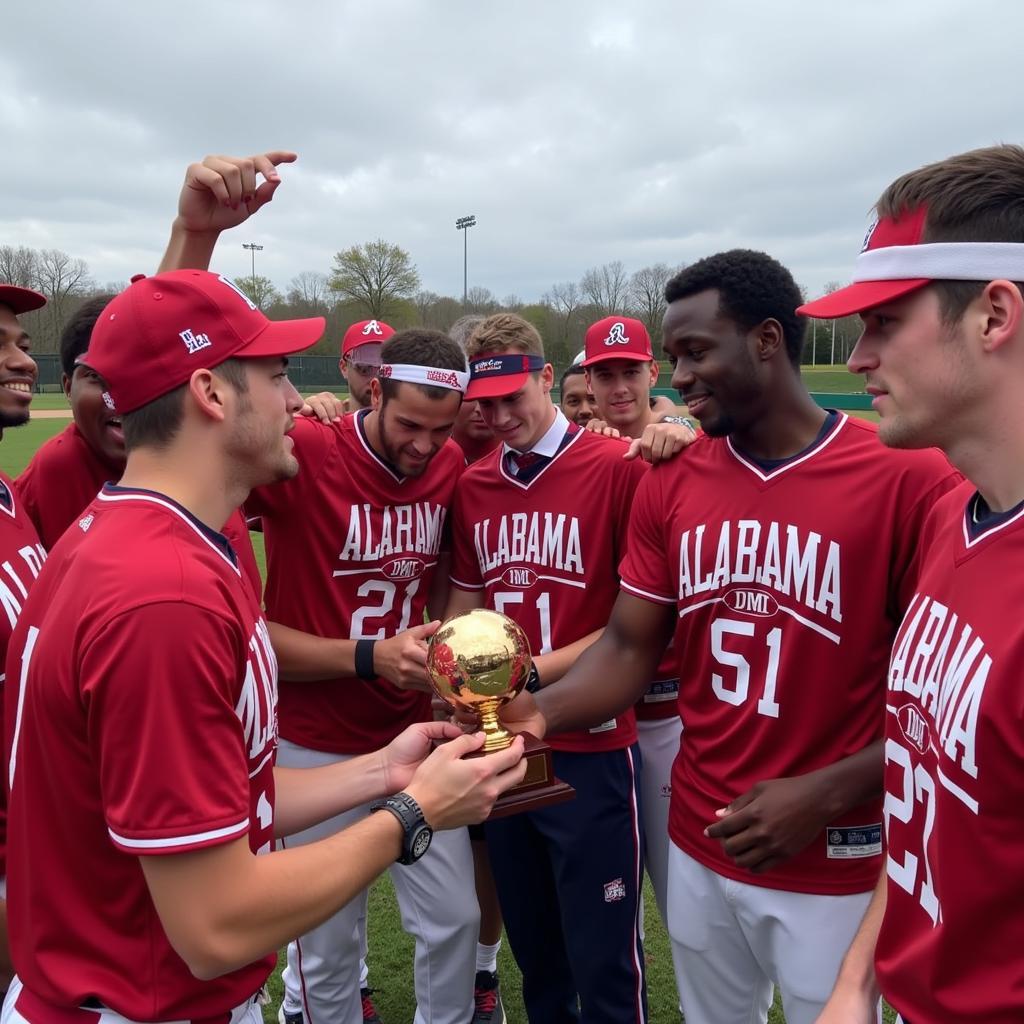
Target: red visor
[
  {"x": 499, "y": 375},
  {"x": 20, "y": 300},
  {"x": 862, "y": 295}
]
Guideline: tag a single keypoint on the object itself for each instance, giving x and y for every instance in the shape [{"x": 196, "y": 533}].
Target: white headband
[
  {"x": 432, "y": 376},
  {"x": 942, "y": 261}
]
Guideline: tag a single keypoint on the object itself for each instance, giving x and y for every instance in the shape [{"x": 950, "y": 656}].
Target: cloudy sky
[{"x": 577, "y": 131}]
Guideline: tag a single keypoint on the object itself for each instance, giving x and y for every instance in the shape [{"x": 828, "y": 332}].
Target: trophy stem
[{"x": 497, "y": 738}]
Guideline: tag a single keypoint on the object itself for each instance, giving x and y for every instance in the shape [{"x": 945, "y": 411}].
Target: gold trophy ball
[{"x": 477, "y": 662}]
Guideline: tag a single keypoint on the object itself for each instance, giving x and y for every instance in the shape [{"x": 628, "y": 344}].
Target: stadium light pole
[
  {"x": 253, "y": 248},
  {"x": 463, "y": 224}
]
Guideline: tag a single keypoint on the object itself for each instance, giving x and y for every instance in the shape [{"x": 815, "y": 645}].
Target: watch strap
[{"x": 410, "y": 817}]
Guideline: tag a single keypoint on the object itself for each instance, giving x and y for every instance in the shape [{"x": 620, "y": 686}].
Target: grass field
[{"x": 391, "y": 950}]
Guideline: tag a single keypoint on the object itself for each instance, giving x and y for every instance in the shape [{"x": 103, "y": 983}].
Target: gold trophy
[{"x": 477, "y": 662}]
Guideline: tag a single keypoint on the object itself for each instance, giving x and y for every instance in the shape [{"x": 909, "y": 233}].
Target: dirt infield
[{"x": 51, "y": 414}]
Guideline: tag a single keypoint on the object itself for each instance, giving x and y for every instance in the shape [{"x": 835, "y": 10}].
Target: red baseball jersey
[
  {"x": 139, "y": 722},
  {"x": 352, "y": 548},
  {"x": 950, "y": 944},
  {"x": 788, "y": 584},
  {"x": 65, "y": 475},
  {"x": 544, "y": 552},
  {"x": 21, "y": 558}
]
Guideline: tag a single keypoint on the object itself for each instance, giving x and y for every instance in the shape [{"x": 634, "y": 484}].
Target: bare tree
[
  {"x": 60, "y": 278},
  {"x": 647, "y": 294},
  {"x": 425, "y": 303},
  {"x": 19, "y": 265},
  {"x": 564, "y": 300},
  {"x": 480, "y": 300},
  {"x": 606, "y": 288},
  {"x": 374, "y": 275},
  {"x": 308, "y": 292},
  {"x": 512, "y": 303}
]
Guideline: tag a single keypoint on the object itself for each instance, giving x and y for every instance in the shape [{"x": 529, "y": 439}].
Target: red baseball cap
[
  {"x": 496, "y": 375},
  {"x": 865, "y": 293},
  {"x": 159, "y": 330},
  {"x": 617, "y": 337},
  {"x": 366, "y": 332},
  {"x": 20, "y": 300}
]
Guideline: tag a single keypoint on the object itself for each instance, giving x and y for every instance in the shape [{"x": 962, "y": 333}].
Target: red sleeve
[
  {"x": 26, "y": 487},
  {"x": 645, "y": 569},
  {"x": 912, "y": 540},
  {"x": 635, "y": 473},
  {"x": 465, "y": 572},
  {"x": 312, "y": 440},
  {"x": 160, "y": 684}
]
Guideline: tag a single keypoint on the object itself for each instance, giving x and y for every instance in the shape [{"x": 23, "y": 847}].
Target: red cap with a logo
[
  {"x": 366, "y": 332},
  {"x": 152, "y": 337},
  {"x": 617, "y": 337},
  {"x": 20, "y": 300},
  {"x": 864, "y": 293}
]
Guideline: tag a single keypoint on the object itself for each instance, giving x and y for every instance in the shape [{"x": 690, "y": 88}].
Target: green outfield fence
[{"x": 321, "y": 373}]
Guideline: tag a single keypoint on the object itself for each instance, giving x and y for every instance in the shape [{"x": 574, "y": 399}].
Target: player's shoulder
[
  {"x": 702, "y": 451},
  {"x": 57, "y": 452},
  {"x": 951, "y": 506},
  {"x": 17, "y": 526},
  {"x": 310, "y": 433},
  {"x": 600, "y": 449},
  {"x": 924, "y": 464},
  {"x": 450, "y": 458},
  {"x": 484, "y": 470},
  {"x": 147, "y": 548}
]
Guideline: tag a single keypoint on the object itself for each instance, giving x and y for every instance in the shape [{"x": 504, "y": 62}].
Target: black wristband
[
  {"x": 364, "y": 660},
  {"x": 533, "y": 680}
]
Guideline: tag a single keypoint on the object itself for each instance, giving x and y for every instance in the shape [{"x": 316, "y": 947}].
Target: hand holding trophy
[{"x": 477, "y": 662}]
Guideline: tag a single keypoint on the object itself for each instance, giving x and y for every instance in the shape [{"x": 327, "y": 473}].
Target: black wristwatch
[{"x": 417, "y": 834}]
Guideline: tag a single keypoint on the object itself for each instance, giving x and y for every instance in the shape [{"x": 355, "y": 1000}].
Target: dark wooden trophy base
[{"x": 540, "y": 788}]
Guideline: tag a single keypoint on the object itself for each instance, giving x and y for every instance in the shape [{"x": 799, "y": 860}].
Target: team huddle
[{"x": 774, "y": 659}]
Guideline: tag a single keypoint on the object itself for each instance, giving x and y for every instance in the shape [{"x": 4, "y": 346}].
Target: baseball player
[
  {"x": 568, "y": 876},
  {"x": 21, "y": 554},
  {"x": 938, "y": 289},
  {"x": 68, "y": 470},
  {"x": 779, "y": 551},
  {"x": 620, "y": 371},
  {"x": 353, "y": 546},
  {"x": 575, "y": 397},
  {"x": 360, "y": 358},
  {"x": 140, "y": 723}
]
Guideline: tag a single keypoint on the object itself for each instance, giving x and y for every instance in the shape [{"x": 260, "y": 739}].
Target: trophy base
[{"x": 540, "y": 787}]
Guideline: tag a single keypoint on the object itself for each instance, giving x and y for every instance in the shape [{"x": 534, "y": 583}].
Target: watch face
[{"x": 421, "y": 841}]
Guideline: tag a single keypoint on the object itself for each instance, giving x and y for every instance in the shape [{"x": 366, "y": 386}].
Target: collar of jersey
[
  {"x": 551, "y": 441},
  {"x": 825, "y": 435},
  {"x": 990, "y": 523},
  {"x": 218, "y": 540}
]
